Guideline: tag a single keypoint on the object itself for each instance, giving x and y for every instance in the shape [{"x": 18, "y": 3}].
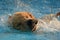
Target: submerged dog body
[{"x": 25, "y": 21}]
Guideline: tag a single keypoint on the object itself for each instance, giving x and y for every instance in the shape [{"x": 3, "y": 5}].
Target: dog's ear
[{"x": 58, "y": 14}]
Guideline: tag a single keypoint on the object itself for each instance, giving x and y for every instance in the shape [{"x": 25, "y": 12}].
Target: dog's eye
[
  {"x": 26, "y": 16},
  {"x": 30, "y": 15}
]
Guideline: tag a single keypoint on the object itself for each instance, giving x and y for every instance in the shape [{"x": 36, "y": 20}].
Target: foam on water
[{"x": 53, "y": 26}]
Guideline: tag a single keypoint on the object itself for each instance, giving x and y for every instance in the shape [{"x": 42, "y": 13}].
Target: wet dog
[{"x": 25, "y": 21}]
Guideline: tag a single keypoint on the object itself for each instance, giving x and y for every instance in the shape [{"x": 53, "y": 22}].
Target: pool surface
[{"x": 38, "y": 8}]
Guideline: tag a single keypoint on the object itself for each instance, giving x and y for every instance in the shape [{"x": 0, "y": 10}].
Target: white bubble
[
  {"x": 2, "y": 19},
  {"x": 9, "y": 14}
]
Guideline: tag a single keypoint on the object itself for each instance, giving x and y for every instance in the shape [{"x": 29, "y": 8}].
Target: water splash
[{"x": 52, "y": 26}]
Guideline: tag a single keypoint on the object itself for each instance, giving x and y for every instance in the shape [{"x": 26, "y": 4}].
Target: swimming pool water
[{"x": 38, "y": 8}]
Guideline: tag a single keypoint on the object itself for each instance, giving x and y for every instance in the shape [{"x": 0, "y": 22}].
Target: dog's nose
[{"x": 30, "y": 22}]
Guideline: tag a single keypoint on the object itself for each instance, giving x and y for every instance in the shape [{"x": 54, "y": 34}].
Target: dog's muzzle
[{"x": 31, "y": 23}]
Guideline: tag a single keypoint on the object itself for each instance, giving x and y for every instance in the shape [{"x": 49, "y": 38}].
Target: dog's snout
[{"x": 30, "y": 22}]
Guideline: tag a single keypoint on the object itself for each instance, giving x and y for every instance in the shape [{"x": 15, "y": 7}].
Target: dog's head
[{"x": 24, "y": 21}]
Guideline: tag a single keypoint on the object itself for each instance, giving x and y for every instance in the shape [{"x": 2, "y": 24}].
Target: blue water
[{"x": 38, "y": 8}]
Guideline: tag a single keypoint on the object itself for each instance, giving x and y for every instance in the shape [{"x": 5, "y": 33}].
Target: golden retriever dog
[{"x": 25, "y": 21}]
